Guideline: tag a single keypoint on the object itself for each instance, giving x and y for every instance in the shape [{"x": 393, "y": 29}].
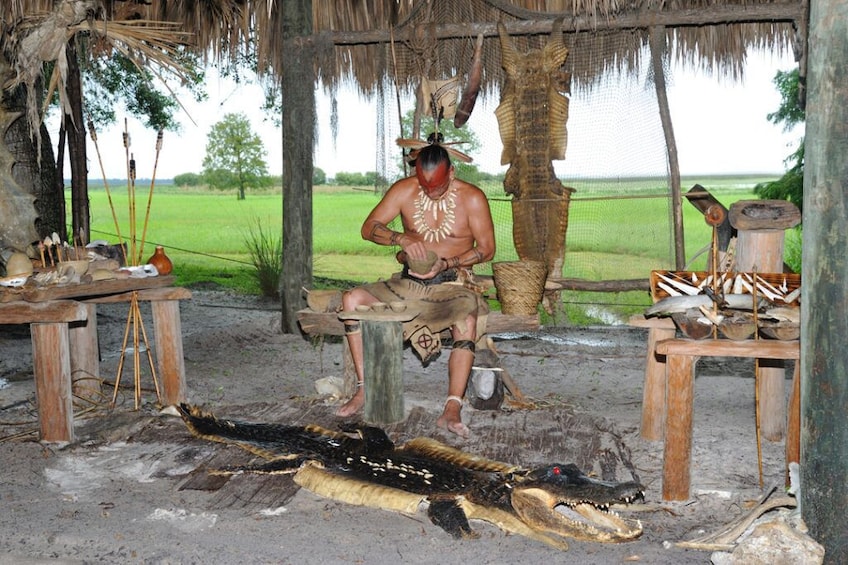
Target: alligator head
[{"x": 540, "y": 496}]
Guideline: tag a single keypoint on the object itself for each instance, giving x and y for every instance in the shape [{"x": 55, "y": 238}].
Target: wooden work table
[
  {"x": 681, "y": 355},
  {"x": 63, "y": 325}
]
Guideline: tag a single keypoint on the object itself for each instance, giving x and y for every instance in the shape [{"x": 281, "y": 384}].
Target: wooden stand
[
  {"x": 681, "y": 356},
  {"x": 760, "y": 226}
]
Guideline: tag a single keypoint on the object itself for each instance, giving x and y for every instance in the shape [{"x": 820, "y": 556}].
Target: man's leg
[
  {"x": 350, "y": 300},
  {"x": 459, "y": 369}
]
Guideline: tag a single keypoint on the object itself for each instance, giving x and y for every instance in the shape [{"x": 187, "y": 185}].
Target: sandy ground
[{"x": 121, "y": 492}]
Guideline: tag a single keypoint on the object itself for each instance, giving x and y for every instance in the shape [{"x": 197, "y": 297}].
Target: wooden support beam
[{"x": 540, "y": 24}]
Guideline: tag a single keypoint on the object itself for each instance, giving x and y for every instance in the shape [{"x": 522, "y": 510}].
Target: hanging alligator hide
[{"x": 532, "y": 120}]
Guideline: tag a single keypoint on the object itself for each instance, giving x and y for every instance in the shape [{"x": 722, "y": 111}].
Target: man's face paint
[{"x": 435, "y": 182}]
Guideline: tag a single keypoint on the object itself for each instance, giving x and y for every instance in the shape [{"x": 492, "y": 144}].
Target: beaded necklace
[{"x": 424, "y": 204}]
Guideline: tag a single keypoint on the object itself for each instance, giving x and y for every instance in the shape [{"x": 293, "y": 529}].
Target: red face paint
[{"x": 435, "y": 182}]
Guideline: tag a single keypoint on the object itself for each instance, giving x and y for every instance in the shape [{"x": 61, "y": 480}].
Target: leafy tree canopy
[
  {"x": 235, "y": 156},
  {"x": 790, "y": 113},
  {"x": 110, "y": 81}
]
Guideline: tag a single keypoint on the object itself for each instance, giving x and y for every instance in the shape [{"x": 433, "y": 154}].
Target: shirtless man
[{"x": 450, "y": 217}]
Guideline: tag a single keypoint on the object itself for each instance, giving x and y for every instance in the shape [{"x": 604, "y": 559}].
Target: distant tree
[
  {"x": 318, "y": 176},
  {"x": 356, "y": 179},
  {"x": 470, "y": 144},
  {"x": 188, "y": 179},
  {"x": 235, "y": 156},
  {"x": 791, "y": 113}
]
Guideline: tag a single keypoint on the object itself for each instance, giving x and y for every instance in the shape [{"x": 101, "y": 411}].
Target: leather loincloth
[{"x": 439, "y": 307}]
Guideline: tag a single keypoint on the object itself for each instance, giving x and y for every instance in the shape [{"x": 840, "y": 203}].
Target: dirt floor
[{"x": 133, "y": 488}]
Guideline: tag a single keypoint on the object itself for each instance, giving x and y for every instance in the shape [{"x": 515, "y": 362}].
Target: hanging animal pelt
[{"x": 472, "y": 86}]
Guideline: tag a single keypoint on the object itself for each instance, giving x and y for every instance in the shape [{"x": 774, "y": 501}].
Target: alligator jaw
[{"x": 538, "y": 507}]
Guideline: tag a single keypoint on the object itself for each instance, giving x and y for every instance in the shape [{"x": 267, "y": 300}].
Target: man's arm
[{"x": 375, "y": 227}]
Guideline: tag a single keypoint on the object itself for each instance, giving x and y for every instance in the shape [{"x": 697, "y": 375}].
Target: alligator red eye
[{"x": 556, "y": 471}]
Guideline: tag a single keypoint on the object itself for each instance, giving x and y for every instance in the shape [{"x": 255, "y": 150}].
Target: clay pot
[
  {"x": 423, "y": 266},
  {"x": 161, "y": 261}
]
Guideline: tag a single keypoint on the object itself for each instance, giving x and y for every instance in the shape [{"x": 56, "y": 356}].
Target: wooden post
[
  {"x": 52, "y": 368},
  {"x": 85, "y": 355},
  {"x": 677, "y": 454},
  {"x": 824, "y": 298},
  {"x": 382, "y": 344},
  {"x": 169, "y": 350},
  {"x": 653, "y": 393},
  {"x": 759, "y": 247}
]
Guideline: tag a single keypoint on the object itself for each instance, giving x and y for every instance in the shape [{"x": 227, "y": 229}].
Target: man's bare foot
[
  {"x": 451, "y": 419},
  {"x": 353, "y": 405}
]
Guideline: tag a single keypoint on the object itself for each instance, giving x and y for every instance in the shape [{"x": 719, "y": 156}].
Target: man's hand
[{"x": 437, "y": 268}]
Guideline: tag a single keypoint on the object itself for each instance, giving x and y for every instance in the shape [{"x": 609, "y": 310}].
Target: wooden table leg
[
  {"x": 677, "y": 457},
  {"x": 382, "y": 352},
  {"x": 793, "y": 427},
  {"x": 653, "y": 394},
  {"x": 85, "y": 355},
  {"x": 771, "y": 379},
  {"x": 168, "y": 340},
  {"x": 52, "y": 367}
]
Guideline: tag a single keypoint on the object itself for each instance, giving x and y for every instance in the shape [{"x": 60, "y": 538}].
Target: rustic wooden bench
[
  {"x": 382, "y": 349},
  {"x": 681, "y": 355}
]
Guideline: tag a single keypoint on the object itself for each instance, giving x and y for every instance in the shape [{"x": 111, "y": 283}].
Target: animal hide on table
[{"x": 532, "y": 120}]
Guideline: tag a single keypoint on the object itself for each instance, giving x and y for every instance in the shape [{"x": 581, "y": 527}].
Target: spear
[
  {"x": 93, "y": 135},
  {"x": 150, "y": 195}
]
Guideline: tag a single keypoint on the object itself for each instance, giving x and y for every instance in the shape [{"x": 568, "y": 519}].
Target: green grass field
[{"x": 609, "y": 237}]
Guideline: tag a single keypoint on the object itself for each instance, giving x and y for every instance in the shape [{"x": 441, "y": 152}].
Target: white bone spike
[
  {"x": 684, "y": 287},
  {"x": 671, "y": 291}
]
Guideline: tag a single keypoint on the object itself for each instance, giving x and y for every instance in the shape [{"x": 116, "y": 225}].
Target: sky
[{"x": 720, "y": 128}]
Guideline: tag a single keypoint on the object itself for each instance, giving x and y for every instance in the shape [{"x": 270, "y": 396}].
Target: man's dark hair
[{"x": 431, "y": 157}]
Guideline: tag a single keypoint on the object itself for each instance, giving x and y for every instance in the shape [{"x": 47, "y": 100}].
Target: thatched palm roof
[{"x": 367, "y": 41}]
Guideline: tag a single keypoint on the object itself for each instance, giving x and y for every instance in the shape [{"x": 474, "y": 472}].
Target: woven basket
[{"x": 520, "y": 285}]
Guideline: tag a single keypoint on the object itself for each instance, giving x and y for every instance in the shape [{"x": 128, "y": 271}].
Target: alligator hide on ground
[
  {"x": 531, "y": 117},
  {"x": 362, "y": 466}
]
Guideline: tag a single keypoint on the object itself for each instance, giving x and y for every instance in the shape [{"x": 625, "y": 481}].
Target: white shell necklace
[{"x": 424, "y": 204}]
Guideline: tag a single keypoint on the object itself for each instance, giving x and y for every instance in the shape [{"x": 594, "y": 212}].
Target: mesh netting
[{"x": 616, "y": 161}]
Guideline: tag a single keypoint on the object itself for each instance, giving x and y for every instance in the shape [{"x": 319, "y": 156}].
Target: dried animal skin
[{"x": 532, "y": 119}]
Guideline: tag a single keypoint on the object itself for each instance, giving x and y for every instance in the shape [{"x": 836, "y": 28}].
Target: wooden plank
[
  {"x": 382, "y": 345},
  {"x": 328, "y": 323},
  {"x": 149, "y": 294},
  {"x": 677, "y": 456},
  {"x": 96, "y": 288},
  {"x": 52, "y": 367},
  {"x": 763, "y": 348},
  {"x": 47, "y": 312}
]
